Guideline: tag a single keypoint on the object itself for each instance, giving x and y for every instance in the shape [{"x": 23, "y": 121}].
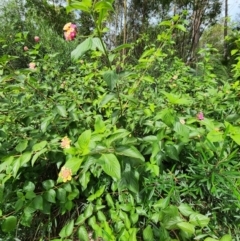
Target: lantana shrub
[{"x": 90, "y": 152}]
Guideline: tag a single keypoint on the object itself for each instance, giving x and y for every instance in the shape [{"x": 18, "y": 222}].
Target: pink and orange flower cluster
[{"x": 70, "y": 31}]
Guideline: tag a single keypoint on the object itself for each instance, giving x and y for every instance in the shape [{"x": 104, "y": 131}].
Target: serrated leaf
[
  {"x": 110, "y": 165},
  {"x": 111, "y": 78},
  {"x": 185, "y": 209},
  {"x": 99, "y": 125},
  {"x": 199, "y": 220},
  {"x": 187, "y": 227},
  {"x": 88, "y": 211},
  {"x": 67, "y": 230},
  {"x": 82, "y": 234}
]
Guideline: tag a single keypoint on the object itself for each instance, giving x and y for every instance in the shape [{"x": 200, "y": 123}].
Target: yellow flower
[
  {"x": 67, "y": 26},
  {"x": 65, "y": 174},
  {"x": 65, "y": 144}
]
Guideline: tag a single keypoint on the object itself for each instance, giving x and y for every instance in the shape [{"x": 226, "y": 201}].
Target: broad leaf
[
  {"x": 129, "y": 151},
  {"x": 9, "y": 224},
  {"x": 110, "y": 165},
  {"x": 82, "y": 48}
]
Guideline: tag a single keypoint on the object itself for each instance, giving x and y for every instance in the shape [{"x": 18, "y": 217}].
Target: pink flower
[
  {"x": 65, "y": 142},
  {"x": 32, "y": 65},
  {"x": 37, "y": 39},
  {"x": 200, "y": 116},
  {"x": 65, "y": 174},
  {"x": 70, "y": 31},
  {"x": 25, "y": 48}
]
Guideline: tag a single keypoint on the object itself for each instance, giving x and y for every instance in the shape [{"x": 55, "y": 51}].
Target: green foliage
[{"x": 103, "y": 148}]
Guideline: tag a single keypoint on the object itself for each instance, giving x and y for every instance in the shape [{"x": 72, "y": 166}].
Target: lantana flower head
[
  {"x": 200, "y": 116},
  {"x": 70, "y": 31},
  {"x": 65, "y": 174},
  {"x": 32, "y": 65},
  {"x": 65, "y": 142}
]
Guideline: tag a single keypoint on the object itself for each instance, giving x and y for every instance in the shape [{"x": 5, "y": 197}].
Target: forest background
[{"x": 126, "y": 130}]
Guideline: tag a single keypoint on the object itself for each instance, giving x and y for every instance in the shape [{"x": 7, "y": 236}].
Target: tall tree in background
[
  {"x": 225, "y": 55},
  {"x": 201, "y": 14}
]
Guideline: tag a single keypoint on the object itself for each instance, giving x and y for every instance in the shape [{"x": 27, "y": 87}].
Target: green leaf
[
  {"x": 82, "y": 234},
  {"x": 82, "y": 48},
  {"x": 180, "y": 27},
  {"x": 185, "y": 209},
  {"x": 50, "y": 196},
  {"x": 176, "y": 99},
  {"x": 107, "y": 98},
  {"x": 234, "y": 51},
  {"x": 118, "y": 134},
  {"x": 16, "y": 166},
  {"x": 148, "y": 234},
  {"x": 37, "y": 203},
  {"x": 22, "y": 146},
  {"x": 99, "y": 125},
  {"x": 67, "y": 230},
  {"x": 25, "y": 158},
  {"x": 74, "y": 164},
  {"x": 130, "y": 181},
  {"x": 110, "y": 165},
  {"x": 84, "y": 179},
  {"x": 210, "y": 239},
  {"x": 9, "y": 224},
  {"x": 84, "y": 6},
  {"x": 48, "y": 184},
  {"x": 97, "y": 45},
  {"x": 45, "y": 123},
  {"x": 88, "y": 211},
  {"x": 39, "y": 146},
  {"x": 28, "y": 186},
  {"x": 61, "y": 195},
  {"x": 199, "y": 220},
  {"x": 123, "y": 46},
  {"x": 97, "y": 194},
  {"x": 111, "y": 78},
  {"x": 172, "y": 152},
  {"x": 187, "y": 227},
  {"x": 37, "y": 154},
  {"x": 103, "y": 5},
  {"x": 215, "y": 136},
  {"x": 235, "y": 137},
  {"x": 18, "y": 205},
  {"x": 83, "y": 141},
  {"x": 226, "y": 237},
  {"x": 61, "y": 110},
  {"x": 129, "y": 151}
]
